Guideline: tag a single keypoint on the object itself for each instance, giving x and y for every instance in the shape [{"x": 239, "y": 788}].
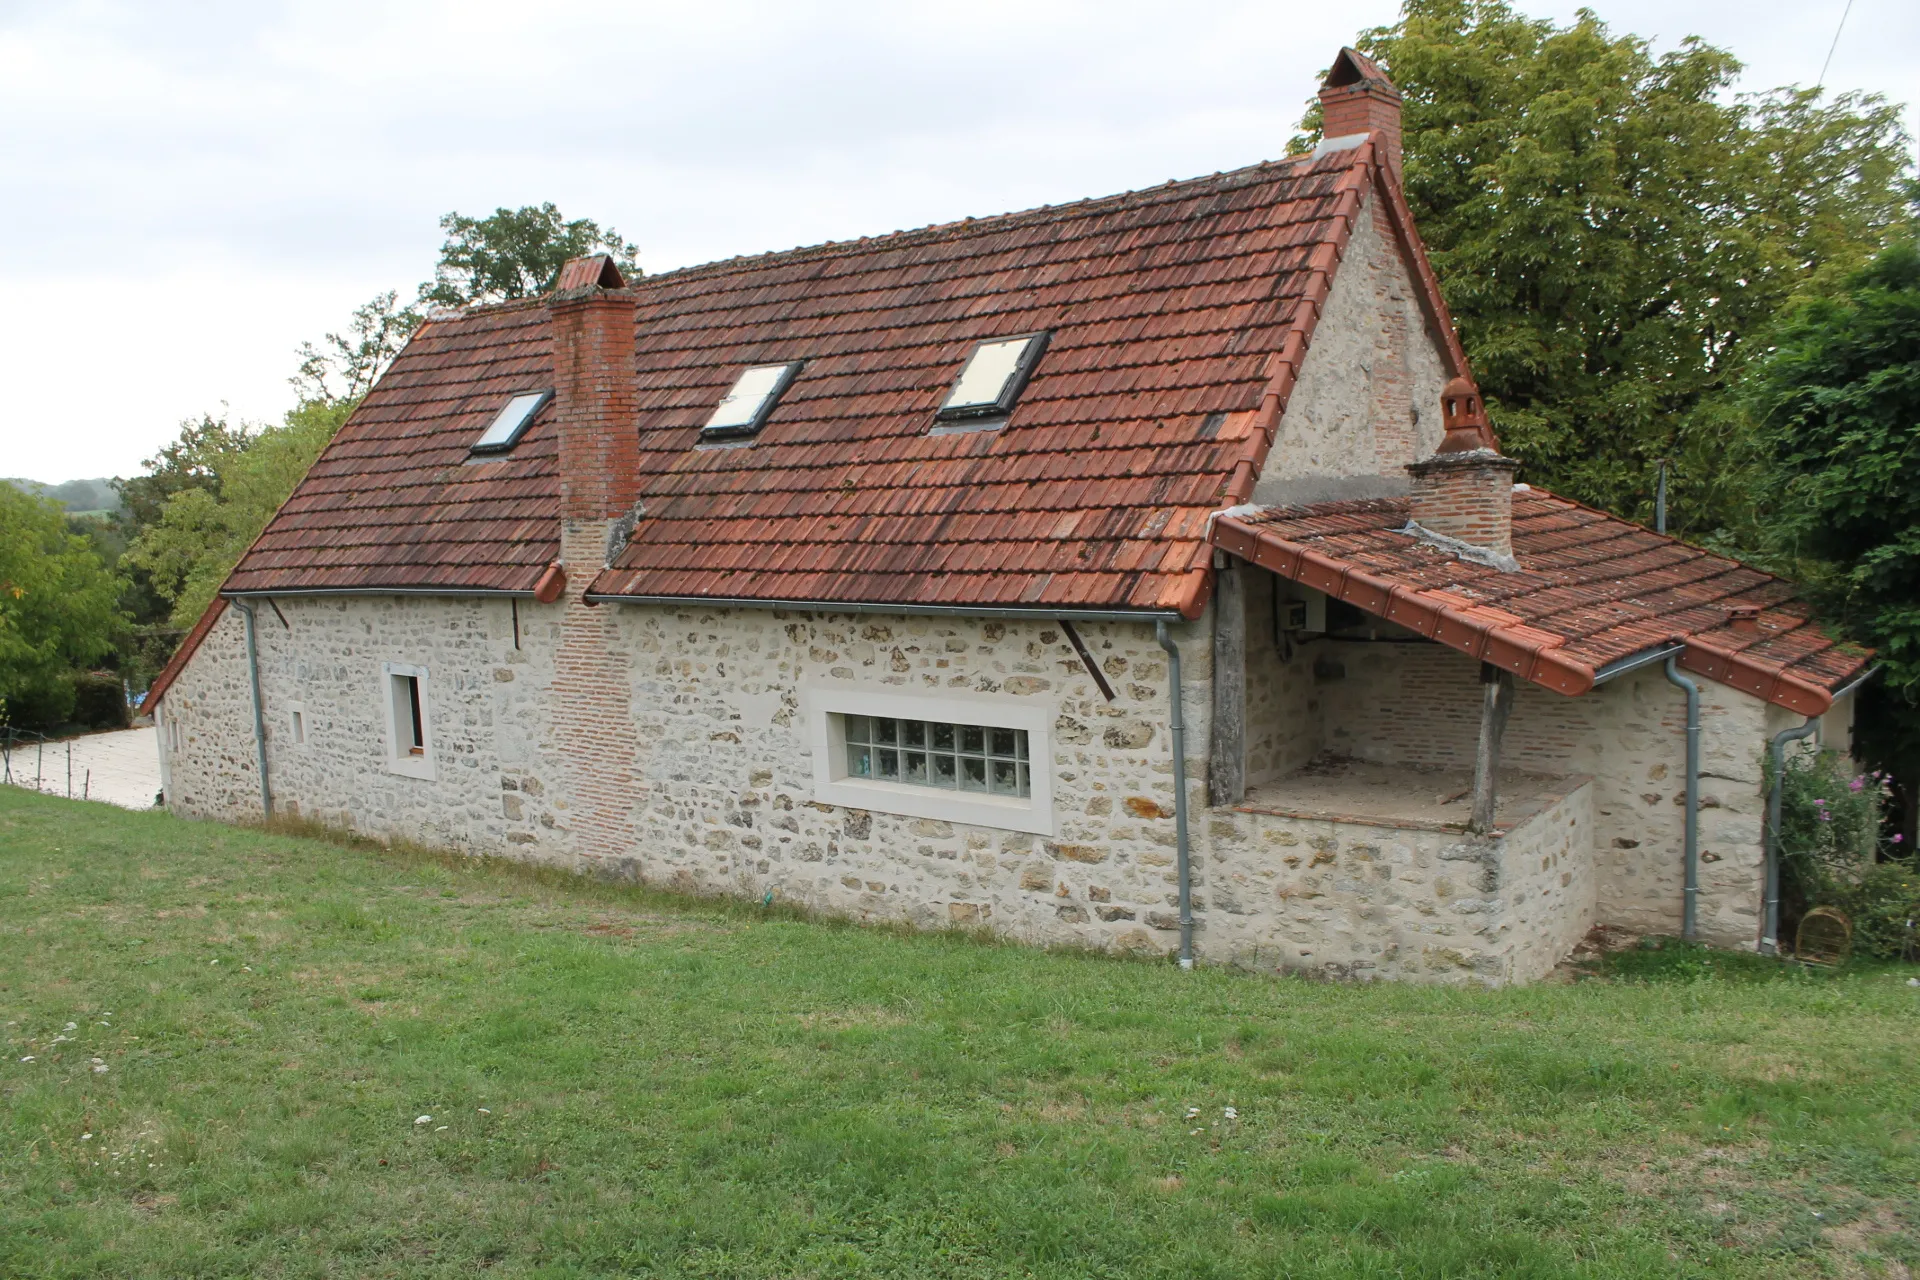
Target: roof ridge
[{"x": 1228, "y": 180}]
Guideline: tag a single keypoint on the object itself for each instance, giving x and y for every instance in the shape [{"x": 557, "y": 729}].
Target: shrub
[
  {"x": 1832, "y": 853},
  {"x": 1884, "y": 905},
  {"x": 1829, "y": 820},
  {"x": 99, "y": 700}
]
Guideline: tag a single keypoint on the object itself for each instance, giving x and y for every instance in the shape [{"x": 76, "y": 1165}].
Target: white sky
[{"x": 189, "y": 190}]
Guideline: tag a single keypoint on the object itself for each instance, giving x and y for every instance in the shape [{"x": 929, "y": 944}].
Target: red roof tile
[
  {"x": 1179, "y": 315},
  {"x": 1591, "y": 589}
]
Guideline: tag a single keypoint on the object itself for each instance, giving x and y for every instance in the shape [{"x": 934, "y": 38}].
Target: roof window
[
  {"x": 993, "y": 378},
  {"x": 744, "y": 409},
  {"x": 512, "y": 422}
]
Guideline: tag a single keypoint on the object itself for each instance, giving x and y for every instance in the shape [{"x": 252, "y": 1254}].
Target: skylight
[
  {"x": 744, "y": 409},
  {"x": 511, "y": 422},
  {"x": 993, "y": 377}
]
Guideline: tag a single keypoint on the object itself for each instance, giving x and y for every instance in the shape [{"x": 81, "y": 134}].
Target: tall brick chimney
[
  {"x": 595, "y": 407},
  {"x": 1357, "y": 97},
  {"x": 1464, "y": 492}
]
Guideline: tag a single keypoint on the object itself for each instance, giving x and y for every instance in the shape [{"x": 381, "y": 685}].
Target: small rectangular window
[
  {"x": 299, "y": 725},
  {"x": 950, "y": 757},
  {"x": 409, "y": 721},
  {"x": 511, "y": 422},
  {"x": 744, "y": 409},
  {"x": 993, "y": 377}
]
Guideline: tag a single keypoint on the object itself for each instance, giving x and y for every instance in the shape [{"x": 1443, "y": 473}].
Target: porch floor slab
[{"x": 1421, "y": 798}]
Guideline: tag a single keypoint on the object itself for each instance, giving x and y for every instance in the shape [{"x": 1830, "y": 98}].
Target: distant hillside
[{"x": 74, "y": 495}]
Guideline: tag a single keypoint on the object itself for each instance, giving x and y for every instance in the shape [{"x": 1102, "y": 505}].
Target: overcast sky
[{"x": 189, "y": 190}]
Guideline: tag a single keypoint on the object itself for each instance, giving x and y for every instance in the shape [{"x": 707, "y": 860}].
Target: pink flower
[
  {"x": 1856, "y": 784},
  {"x": 1897, "y": 837},
  {"x": 1821, "y": 803}
]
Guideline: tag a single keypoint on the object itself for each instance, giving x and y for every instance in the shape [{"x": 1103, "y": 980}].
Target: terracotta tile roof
[
  {"x": 1591, "y": 589},
  {"x": 395, "y": 503},
  {"x": 1169, "y": 311},
  {"x": 1179, "y": 315}
]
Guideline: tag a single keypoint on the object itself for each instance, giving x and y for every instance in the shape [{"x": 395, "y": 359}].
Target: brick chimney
[
  {"x": 1357, "y": 97},
  {"x": 595, "y": 392},
  {"x": 1464, "y": 492}
]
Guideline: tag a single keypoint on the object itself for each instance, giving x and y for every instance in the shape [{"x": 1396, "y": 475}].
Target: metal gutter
[
  {"x": 1037, "y": 613},
  {"x": 267, "y": 594},
  {"x": 1634, "y": 661},
  {"x": 1857, "y": 681},
  {"x": 1179, "y": 727},
  {"x": 259, "y": 714}
]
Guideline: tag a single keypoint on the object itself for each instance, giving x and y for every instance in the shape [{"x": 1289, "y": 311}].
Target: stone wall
[
  {"x": 1420, "y": 704},
  {"x": 1369, "y": 900},
  {"x": 721, "y": 781},
  {"x": 1368, "y": 399},
  {"x": 721, "y": 788}
]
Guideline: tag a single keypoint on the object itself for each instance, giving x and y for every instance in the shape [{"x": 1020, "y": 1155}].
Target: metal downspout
[
  {"x": 259, "y": 715},
  {"x": 1690, "y": 899},
  {"x": 1179, "y": 726},
  {"x": 1776, "y": 768}
]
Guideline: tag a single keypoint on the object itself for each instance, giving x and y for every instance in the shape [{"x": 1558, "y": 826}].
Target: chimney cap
[
  {"x": 1465, "y": 418},
  {"x": 595, "y": 270},
  {"x": 1352, "y": 67}
]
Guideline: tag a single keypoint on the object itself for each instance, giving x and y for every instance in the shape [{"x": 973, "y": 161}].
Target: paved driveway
[{"x": 121, "y": 767}]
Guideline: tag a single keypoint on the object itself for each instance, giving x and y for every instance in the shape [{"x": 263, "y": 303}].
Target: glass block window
[{"x": 948, "y": 757}]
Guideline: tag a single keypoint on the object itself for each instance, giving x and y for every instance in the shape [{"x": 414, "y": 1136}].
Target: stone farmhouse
[{"x": 1138, "y": 574}]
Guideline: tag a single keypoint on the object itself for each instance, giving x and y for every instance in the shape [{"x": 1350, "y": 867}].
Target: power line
[{"x": 1835, "y": 45}]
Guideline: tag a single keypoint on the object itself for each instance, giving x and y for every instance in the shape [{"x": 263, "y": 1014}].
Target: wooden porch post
[
  {"x": 1495, "y": 704},
  {"x": 1227, "y": 748}
]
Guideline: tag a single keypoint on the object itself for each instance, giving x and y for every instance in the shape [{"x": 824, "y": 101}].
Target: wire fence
[{"x": 33, "y": 760}]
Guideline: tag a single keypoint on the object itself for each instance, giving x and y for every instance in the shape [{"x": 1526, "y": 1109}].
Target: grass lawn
[{"x": 235, "y": 1053}]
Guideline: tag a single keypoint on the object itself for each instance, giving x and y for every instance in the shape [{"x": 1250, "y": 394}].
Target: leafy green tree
[
  {"x": 193, "y": 460},
  {"x": 204, "y": 528},
  {"x": 1612, "y": 231},
  {"x": 58, "y": 609},
  {"x": 515, "y": 253},
  {"x": 344, "y": 367},
  {"x": 1838, "y": 402}
]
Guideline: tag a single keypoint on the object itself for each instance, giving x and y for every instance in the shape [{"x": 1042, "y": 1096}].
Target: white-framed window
[
  {"x": 983, "y": 761},
  {"x": 297, "y": 723},
  {"x": 409, "y": 720}
]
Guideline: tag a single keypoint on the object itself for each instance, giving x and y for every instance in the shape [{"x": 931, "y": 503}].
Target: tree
[
  {"x": 516, "y": 253},
  {"x": 1611, "y": 232},
  {"x": 58, "y": 608},
  {"x": 204, "y": 528},
  {"x": 1838, "y": 403},
  {"x": 345, "y": 367},
  {"x": 194, "y": 460}
]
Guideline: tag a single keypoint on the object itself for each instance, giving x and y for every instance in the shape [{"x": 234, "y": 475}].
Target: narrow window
[
  {"x": 993, "y": 377},
  {"x": 949, "y": 757},
  {"x": 417, "y": 744},
  {"x": 511, "y": 422},
  {"x": 299, "y": 727},
  {"x": 745, "y": 408}
]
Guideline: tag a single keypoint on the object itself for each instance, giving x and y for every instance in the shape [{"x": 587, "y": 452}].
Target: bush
[
  {"x": 99, "y": 700},
  {"x": 1832, "y": 853},
  {"x": 1829, "y": 820},
  {"x": 1884, "y": 905}
]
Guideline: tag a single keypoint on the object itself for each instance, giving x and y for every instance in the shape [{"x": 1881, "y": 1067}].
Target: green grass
[{"x": 625, "y": 1083}]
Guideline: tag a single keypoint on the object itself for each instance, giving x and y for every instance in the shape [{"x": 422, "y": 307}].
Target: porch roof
[{"x": 1591, "y": 589}]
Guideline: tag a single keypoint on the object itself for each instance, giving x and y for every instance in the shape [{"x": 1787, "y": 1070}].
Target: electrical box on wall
[{"x": 1308, "y": 615}]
